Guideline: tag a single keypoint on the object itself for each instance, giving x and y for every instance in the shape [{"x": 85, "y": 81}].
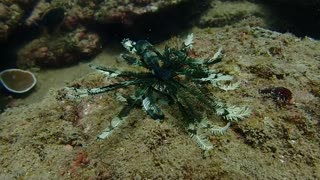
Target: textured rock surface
[
  {"x": 10, "y": 15},
  {"x": 56, "y": 138},
  {"x": 227, "y": 12},
  {"x": 125, "y": 11},
  {"x": 59, "y": 50},
  {"x": 52, "y": 24}
]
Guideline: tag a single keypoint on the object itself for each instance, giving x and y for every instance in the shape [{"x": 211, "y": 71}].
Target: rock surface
[
  {"x": 59, "y": 50},
  {"x": 56, "y": 137},
  {"x": 227, "y": 12},
  {"x": 10, "y": 15},
  {"x": 57, "y": 20}
]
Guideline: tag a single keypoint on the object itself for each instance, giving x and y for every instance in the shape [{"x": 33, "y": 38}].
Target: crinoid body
[{"x": 173, "y": 76}]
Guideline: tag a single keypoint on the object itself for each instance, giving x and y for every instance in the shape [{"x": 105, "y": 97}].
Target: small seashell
[{"x": 17, "y": 80}]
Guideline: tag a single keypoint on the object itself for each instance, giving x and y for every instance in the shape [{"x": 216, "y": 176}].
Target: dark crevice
[
  {"x": 297, "y": 17},
  {"x": 154, "y": 27}
]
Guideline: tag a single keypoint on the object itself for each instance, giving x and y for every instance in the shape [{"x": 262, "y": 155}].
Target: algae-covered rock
[
  {"x": 59, "y": 50},
  {"x": 227, "y": 12},
  {"x": 56, "y": 138},
  {"x": 58, "y": 40},
  {"x": 10, "y": 15},
  {"x": 105, "y": 12},
  {"x": 126, "y": 10}
]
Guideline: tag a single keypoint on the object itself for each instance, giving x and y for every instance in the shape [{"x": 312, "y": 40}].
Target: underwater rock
[
  {"x": 59, "y": 50},
  {"x": 105, "y": 12},
  {"x": 39, "y": 9},
  {"x": 10, "y": 15},
  {"x": 17, "y": 80},
  {"x": 45, "y": 14},
  {"x": 125, "y": 12},
  {"x": 228, "y": 12}
]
